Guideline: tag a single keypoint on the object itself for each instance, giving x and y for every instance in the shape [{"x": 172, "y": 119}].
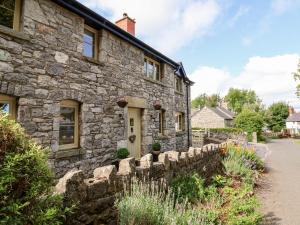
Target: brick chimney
[
  {"x": 291, "y": 110},
  {"x": 127, "y": 24}
]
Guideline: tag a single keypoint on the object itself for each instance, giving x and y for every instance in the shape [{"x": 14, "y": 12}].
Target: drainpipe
[{"x": 188, "y": 114}]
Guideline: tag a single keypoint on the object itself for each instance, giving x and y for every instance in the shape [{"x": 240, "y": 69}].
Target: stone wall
[
  {"x": 207, "y": 119},
  {"x": 96, "y": 195},
  {"x": 43, "y": 64},
  {"x": 220, "y": 136},
  {"x": 209, "y": 136}
]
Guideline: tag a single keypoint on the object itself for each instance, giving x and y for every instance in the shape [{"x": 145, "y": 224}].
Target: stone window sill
[
  {"x": 180, "y": 133},
  {"x": 162, "y": 137},
  {"x": 14, "y": 33},
  {"x": 154, "y": 81},
  {"x": 92, "y": 60},
  {"x": 66, "y": 153},
  {"x": 178, "y": 92}
]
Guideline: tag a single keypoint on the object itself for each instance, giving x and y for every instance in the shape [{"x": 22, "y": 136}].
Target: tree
[
  {"x": 237, "y": 99},
  {"x": 276, "y": 115},
  {"x": 297, "y": 77},
  {"x": 205, "y": 100},
  {"x": 250, "y": 122},
  {"x": 26, "y": 181}
]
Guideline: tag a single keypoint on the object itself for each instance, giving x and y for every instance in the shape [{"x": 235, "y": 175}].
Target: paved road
[{"x": 279, "y": 189}]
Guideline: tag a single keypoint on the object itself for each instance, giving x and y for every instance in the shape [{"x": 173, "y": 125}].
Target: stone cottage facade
[
  {"x": 84, "y": 87},
  {"x": 212, "y": 117}
]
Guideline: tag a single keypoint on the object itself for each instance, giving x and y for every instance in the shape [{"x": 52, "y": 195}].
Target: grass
[{"x": 228, "y": 199}]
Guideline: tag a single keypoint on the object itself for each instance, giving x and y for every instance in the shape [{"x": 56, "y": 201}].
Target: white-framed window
[
  {"x": 90, "y": 42},
  {"x": 8, "y": 105},
  {"x": 178, "y": 84},
  {"x": 10, "y": 11},
  {"x": 69, "y": 124},
  {"x": 179, "y": 121},
  {"x": 161, "y": 122},
  {"x": 152, "y": 69}
]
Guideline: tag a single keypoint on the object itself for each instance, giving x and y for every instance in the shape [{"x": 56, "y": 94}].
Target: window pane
[
  {"x": 88, "y": 43},
  {"x": 157, "y": 72},
  {"x": 145, "y": 66},
  {"x": 88, "y": 37},
  {"x": 150, "y": 70},
  {"x": 67, "y": 126},
  {"x": 180, "y": 121},
  {"x": 6, "y": 15},
  {"x": 4, "y": 107}
]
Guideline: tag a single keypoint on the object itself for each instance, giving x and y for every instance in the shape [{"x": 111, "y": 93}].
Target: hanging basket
[
  {"x": 157, "y": 105},
  {"x": 122, "y": 102}
]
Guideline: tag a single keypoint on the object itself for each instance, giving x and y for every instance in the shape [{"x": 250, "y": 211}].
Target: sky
[{"x": 222, "y": 43}]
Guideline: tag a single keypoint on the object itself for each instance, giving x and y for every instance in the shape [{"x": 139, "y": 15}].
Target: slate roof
[
  {"x": 220, "y": 111},
  {"x": 228, "y": 112},
  {"x": 295, "y": 117}
]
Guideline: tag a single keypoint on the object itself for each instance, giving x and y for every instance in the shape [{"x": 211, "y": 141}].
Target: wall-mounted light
[{"x": 122, "y": 102}]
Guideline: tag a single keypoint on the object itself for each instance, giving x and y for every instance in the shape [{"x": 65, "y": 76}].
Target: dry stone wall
[{"x": 96, "y": 195}]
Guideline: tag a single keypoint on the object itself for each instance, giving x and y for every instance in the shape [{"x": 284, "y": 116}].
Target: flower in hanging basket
[
  {"x": 157, "y": 105},
  {"x": 122, "y": 102}
]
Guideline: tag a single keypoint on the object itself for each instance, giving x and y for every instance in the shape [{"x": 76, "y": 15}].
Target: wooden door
[{"x": 134, "y": 132}]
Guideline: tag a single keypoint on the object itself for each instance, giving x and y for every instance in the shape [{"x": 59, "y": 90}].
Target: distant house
[
  {"x": 212, "y": 117},
  {"x": 293, "y": 122}
]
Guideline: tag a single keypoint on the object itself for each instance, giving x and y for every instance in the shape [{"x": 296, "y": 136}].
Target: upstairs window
[
  {"x": 90, "y": 42},
  {"x": 152, "y": 69},
  {"x": 179, "y": 123},
  {"x": 10, "y": 11},
  {"x": 8, "y": 105},
  {"x": 178, "y": 84},
  {"x": 161, "y": 122},
  {"x": 68, "y": 125}
]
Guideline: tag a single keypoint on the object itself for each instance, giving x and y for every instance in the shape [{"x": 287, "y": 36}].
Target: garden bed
[{"x": 227, "y": 198}]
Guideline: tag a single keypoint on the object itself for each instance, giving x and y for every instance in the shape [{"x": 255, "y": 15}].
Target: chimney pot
[
  {"x": 127, "y": 24},
  {"x": 291, "y": 110}
]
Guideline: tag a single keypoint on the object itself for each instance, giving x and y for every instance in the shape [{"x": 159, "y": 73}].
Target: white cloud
[
  {"x": 243, "y": 10},
  {"x": 282, "y": 6},
  {"x": 166, "y": 25},
  {"x": 270, "y": 77}
]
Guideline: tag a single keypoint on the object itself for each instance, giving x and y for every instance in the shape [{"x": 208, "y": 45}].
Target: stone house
[
  {"x": 85, "y": 87},
  {"x": 212, "y": 117},
  {"x": 293, "y": 122}
]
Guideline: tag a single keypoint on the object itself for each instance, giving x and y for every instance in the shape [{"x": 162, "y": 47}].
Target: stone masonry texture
[
  {"x": 95, "y": 196},
  {"x": 206, "y": 118},
  {"x": 43, "y": 64}
]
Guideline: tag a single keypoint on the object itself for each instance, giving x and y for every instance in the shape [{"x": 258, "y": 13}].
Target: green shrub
[
  {"x": 148, "y": 204},
  {"x": 189, "y": 187},
  {"x": 243, "y": 208},
  {"x": 26, "y": 181},
  {"x": 247, "y": 157},
  {"x": 219, "y": 180},
  {"x": 249, "y": 122},
  {"x": 122, "y": 153},
  {"x": 252, "y": 160},
  {"x": 156, "y": 146},
  {"x": 235, "y": 167}
]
